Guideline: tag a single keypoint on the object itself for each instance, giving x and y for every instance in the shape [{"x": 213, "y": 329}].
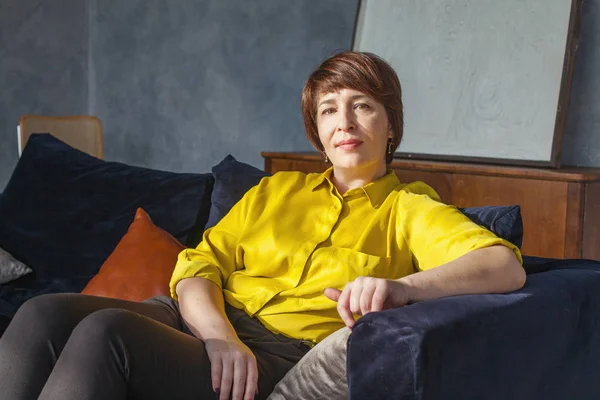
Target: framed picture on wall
[{"x": 482, "y": 81}]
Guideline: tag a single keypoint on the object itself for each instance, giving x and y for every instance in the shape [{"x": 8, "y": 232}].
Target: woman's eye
[
  {"x": 328, "y": 111},
  {"x": 361, "y": 106}
]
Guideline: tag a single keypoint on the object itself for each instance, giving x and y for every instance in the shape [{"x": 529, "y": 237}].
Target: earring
[
  {"x": 390, "y": 144},
  {"x": 326, "y": 159}
]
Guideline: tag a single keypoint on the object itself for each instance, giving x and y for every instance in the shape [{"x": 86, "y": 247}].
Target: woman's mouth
[{"x": 348, "y": 144}]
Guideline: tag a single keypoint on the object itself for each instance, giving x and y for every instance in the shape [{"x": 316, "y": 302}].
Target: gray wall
[
  {"x": 179, "y": 84},
  {"x": 43, "y": 66}
]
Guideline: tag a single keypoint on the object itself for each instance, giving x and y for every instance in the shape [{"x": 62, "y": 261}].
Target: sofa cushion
[
  {"x": 63, "y": 212},
  {"x": 504, "y": 221},
  {"x": 141, "y": 265},
  {"x": 11, "y": 268},
  {"x": 234, "y": 178}
]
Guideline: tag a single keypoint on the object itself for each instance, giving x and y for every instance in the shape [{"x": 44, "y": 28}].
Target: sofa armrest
[{"x": 541, "y": 342}]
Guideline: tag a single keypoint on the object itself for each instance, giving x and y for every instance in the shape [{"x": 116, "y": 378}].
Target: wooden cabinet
[{"x": 560, "y": 207}]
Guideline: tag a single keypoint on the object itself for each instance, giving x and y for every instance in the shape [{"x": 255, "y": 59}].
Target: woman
[{"x": 296, "y": 259}]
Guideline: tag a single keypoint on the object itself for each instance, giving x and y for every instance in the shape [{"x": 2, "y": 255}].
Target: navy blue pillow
[
  {"x": 234, "y": 178},
  {"x": 64, "y": 211},
  {"x": 504, "y": 221}
]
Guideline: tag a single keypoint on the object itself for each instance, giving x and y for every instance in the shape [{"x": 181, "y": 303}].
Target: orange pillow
[{"x": 141, "y": 265}]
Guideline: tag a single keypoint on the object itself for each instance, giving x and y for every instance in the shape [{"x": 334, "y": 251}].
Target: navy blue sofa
[
  {"x": 540, "y": 342},
  {"x": 63, "y": 212}
]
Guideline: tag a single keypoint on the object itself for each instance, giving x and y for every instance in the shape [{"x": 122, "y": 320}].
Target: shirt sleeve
[
  {"x": 218, "y": 254},
  {"x": 437, "y": 233}
]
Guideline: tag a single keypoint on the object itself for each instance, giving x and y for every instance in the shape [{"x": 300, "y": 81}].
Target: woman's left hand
[{"x": 367, "y": 294}]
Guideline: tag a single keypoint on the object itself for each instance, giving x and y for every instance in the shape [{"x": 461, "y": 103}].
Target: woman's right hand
[{"x": 233, "y": 368}]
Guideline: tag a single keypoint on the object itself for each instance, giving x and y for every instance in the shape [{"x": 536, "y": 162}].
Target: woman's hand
[
  {"x": 233, "y": 369},
  {"x": 366, "y": 294},
  {"x": 232, "y": 365}
]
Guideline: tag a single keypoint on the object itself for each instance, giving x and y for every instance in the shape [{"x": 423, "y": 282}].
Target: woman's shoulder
[
  {"x": 416, "y": 189},
  {"x": 289, "y": 180}
]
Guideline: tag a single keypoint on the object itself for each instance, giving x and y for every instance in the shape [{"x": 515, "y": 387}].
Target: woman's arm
[
  {"x": 232, "y": 364},
  {"x": 197, "y": 282},
  {"x": 493, "y": 269},
  {"x": 203, "y": 309}
]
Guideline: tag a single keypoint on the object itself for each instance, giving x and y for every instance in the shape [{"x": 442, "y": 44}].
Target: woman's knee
[
  {"x": 44, "y": 310},
  {"x": 105, "y": 325}
]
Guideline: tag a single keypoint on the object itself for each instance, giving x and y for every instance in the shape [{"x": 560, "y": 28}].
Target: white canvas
[{"x": 480, "y": 78}]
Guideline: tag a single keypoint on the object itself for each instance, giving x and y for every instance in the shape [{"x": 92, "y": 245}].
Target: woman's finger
[
  {"x": 379, "y": 296},
  {"x": 216, "y": 370},
  {"x": 251, "y": 379},
  {"x": 239, "y": 377},
  {"x": 226, "y": 379},
  {"x": 366, "y": 298},
  {"x": 357, "y": 289},
  {"x": 332, "y": 294},
  {"x": 343, "y": 306}
]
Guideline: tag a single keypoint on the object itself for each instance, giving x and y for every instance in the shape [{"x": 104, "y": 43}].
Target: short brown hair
[{"x": 364, "y": 72}]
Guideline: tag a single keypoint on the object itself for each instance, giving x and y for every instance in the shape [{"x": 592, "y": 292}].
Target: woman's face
[{"x": 353, "y": 129}]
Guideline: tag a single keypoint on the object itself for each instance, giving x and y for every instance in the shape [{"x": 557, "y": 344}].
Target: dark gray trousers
[{"x": 77, "y": 347}]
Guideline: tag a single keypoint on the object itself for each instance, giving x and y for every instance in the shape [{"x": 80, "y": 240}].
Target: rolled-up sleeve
[
  {"x": 437, "y": 233},
  {"x": 218, "y": 255}
]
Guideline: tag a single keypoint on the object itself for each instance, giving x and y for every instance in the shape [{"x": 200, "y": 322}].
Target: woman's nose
[{"x": 347, "y": 121}]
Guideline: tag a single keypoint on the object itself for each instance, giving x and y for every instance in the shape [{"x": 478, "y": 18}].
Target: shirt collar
[
  {"x": 321, "y": 178},
  {"x": 376, "y": 191},
  {"x": 379, "y": 190}
]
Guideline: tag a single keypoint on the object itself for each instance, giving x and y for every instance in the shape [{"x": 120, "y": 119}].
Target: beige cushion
[{"x": 320, "y": 374}]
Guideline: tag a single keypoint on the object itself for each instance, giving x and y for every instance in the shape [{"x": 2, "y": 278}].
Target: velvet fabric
[
  {"x": 63, "y": 212},
  {"x": 540, "y": 342},
  {"x": 232, "y": 180},
  {"x": 504, "y": 221}
]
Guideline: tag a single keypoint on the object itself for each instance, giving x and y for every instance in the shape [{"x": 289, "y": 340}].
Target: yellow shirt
[{"x": 293, "y": 235}]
